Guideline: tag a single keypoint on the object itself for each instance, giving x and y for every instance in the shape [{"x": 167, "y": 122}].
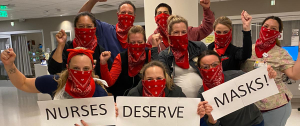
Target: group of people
[{"x": 173, "y": 62}]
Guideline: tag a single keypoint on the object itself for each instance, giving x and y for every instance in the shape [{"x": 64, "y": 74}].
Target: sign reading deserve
[
  {"x": 154, "y": 111},
  {"x": 239, "y": 92},
  {"x": 95, "y": 111}
]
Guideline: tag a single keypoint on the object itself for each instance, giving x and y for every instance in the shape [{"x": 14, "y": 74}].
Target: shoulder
[
  {"x": 46, "y": 83},
  {"x": 99, "y": 91},
  {"x": 69, "y": 45},
  {"x": 211, "y": 46},
  {"x": 104, "y": 24},
  {"x": 230, "y": 74},
  {"x": 177, "y": 91},
  {"x": 134, "y": 92}
]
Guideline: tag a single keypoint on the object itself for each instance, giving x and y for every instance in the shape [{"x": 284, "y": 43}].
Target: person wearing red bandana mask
[
  {"x": 267, "y": 50},
  {"x": 156, "y": 82},
  {"x": 114, "y": 37},
  {"x": 74, "y": 82},
  {"x": 124, "y": 73},
  {"x": 210, "y": 66},
  {"x": 163, "y": 11},
  {"x": 84, "y": 37},
  {"x": 232, "y": 56},
  {"x": 179, "y": 58}
]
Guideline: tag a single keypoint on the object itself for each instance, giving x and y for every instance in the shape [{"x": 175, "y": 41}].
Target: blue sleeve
[
  {"x": 104, "y": 28},
  {"x": 46, "y": 84},
  {"x": 99, "y": 92}
]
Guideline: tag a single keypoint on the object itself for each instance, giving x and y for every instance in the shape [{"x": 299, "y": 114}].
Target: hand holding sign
[
  {"x": 95, "y": 111},
  {"x": 271, "y": 72},
  {"x": 241, "y": 91},
  {"x": 157, "y": 111},
  {"x": 83, "y": 123}
]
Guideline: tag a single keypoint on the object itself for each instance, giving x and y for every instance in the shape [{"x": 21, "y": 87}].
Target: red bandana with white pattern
[
  {"x": 212, "y": 77},
  {"x": 266, "y": 41},
  {"x": 154, "y": 88},
  {"x": 179, "y": 47},
  {"x": 161, "y": 21},
  {"x": 85, "y": 37},
  {"x": 136, "y": 58},
  {"x": 222, "y": 42},
  {"x": 80, "y": 84},
  {"x": 125, "y": 22}
]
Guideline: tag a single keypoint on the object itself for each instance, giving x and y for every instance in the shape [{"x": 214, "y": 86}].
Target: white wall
[{"x": 188, "y": 10}]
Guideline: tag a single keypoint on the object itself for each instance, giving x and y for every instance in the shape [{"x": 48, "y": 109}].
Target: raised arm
[
  {"x": 16, "y": 77},
  {"x": 246, "y": 51},
  {"x": 294, "y": 72},
  {"x": 88, "y": 6},
  {"x": 203, "y": 30},
  {"x": 55, "y": 62},
  {"x": 110, "y": 76}
]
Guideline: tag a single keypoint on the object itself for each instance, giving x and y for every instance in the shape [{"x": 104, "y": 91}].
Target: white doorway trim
[{"x": 24, "y": 32}]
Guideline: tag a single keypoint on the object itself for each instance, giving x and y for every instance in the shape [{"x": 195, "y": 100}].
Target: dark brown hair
[
  {"x": 206, "y": 53},
  {"x": 279, "y": 21}
]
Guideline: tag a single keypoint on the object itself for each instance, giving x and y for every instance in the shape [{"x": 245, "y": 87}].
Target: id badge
[{"x": 258, "y": 64}]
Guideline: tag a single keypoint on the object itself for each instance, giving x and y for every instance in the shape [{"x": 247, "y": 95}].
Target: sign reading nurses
[
  {"x": 239, "y": 92},
  {"x": 95, "y": 111},
  {"x": 157, "y": 111}
]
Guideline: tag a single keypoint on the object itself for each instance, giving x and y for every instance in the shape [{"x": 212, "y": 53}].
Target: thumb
[{"x": 10, "y": 49}]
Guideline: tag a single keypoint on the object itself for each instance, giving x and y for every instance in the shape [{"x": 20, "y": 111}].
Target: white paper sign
[
  {"x": 240, "y": 92},
  {"x": 95, "y": 111},
  {"x": 154, "y": 111},
  {"x": 295, "y": 41}
]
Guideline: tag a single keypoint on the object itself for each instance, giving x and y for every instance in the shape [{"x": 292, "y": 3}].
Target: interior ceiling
[{"x": 26, "y": 9}]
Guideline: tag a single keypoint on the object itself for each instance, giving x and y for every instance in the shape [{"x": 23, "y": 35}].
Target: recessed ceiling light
[
  {"x": 60, "y": 15},
  {"x": 272, "y": 2}
]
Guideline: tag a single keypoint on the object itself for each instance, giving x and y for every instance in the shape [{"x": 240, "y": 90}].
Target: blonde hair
[
  {"x": 63, "y": 77},
  {"x": 224, "y": 21},
  {"x": 169, "y": 81},
  {"x": 173, "y": 19},
  {"x": 136, "y": 29}
]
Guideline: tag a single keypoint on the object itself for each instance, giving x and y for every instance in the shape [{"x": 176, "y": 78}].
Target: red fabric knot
[
  {"x": 74, "y": 52},
  {"x": 222, "y": 42},
  {"x": 266, "y": 41}
]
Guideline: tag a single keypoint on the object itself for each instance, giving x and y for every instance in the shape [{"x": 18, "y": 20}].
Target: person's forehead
[
  {"x": 126, "y": 6},
  {"x": 162, "y": 8}
]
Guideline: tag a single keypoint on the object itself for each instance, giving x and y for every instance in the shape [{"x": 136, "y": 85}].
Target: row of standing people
[{"x": 179, "y": 58}]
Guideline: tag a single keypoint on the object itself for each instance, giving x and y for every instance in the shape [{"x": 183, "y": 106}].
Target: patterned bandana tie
[
  {"x": 85, "y": 37},
  {"x": 266, "y": 41},
  {"x": 80, "y": 84},
  {"x": 136, "y": 58},
  {"x": 212, "y": 77},
  {"x": 154, "y": 88},
  {"x": 125, "y": 22},
  {"x": 161, "y": 21},
  {"x": 222, "y": 42},
  {"x": 179, "y": 47}
]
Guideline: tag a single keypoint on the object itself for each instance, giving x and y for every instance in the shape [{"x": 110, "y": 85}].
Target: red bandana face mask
[
  {"x": 161, "y": 21},
  {"x": 222, "y": 42},
  {"x": 136, "y": 58},
  {"x": 85, "y": 37},
  {"x": 266, "y": 41},
  {"x": 80, "y": 84},
  {"x": 154, "y": 88},
  {"x": 179, "y": 47},
  {"x": 212, "y": 77},
  {"x": 125, "y": 22}
]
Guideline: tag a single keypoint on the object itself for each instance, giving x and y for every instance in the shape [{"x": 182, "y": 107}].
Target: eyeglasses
[{"x": 208, "y": 66}]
